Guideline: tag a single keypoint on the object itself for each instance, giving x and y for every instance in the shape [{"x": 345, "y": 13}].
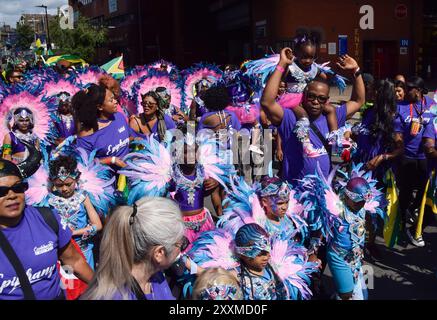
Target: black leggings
[{"x": 412, "y": 175}]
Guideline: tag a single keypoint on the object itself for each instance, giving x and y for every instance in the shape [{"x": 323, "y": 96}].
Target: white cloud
[{"x": 11, "y": 10}]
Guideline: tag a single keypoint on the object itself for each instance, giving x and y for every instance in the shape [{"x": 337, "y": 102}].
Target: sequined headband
[
  {"x": 219, "y": 292},
  {"x": 254, "y": 250},
  {"x": 63, "y": 174},
  {"x": 63, "y": 97},
  {"x": 357, "y": 197},
  {"x": 281, "y": 191},
  {"x": 24, "y": 113}
]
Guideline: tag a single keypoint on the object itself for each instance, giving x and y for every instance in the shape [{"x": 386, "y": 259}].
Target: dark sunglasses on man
[
  {"x": 321, "y": 99},
  {"x": 17, "y": 188}
]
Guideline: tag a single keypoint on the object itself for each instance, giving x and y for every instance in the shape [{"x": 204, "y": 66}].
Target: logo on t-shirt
[
  {"x": 122, "y": 129},
  {"x": 33, "y": 277},
  {"x": 117, "y": 147},
  {"x": 43, "y": 249}
]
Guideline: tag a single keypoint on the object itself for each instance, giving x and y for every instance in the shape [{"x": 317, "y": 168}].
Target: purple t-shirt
[
  {"x": 160, "y": 290},
  {"x": 431, "y": 132},
  {"x": 111, "y": 141},
  {"x": 413, "y": 144},
  {"x": 169, "y": 124},
  {"x": 37, "y": 246},
  {"x": 299, "y": 161}
]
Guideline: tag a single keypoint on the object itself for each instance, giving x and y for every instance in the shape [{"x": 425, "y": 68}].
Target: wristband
[
  {"x": 280, "y": 69},
  {"x": 358, "y": 73},
  {"x": 113, "y": 160}
]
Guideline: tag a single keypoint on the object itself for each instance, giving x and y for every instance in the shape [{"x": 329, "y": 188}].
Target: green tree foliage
[
  {"x": 82, "y": 40},
  {"x": 25, "y": 36}
]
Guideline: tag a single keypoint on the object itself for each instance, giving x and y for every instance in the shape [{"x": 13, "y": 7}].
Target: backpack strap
[
  {"x": 10, "y": 253},
  {"x": 49, "y": 218},
  {"x": 322, "y": 139}
]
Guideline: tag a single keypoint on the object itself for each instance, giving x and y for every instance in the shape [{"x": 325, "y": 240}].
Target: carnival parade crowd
[{"x": 103, "y": 183}]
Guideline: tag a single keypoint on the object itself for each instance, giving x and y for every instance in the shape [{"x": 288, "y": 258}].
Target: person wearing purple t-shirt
[
  {"x": 413, "y": 116},
  {"x": 35, "y": 243},
  {"x": 100, "y": 126},
  {"x": 301, "y": 157},
  {"x": 430, "y": 147},
  {"x": 139, "y": 243},
  {"x": 152, "y": 121}
]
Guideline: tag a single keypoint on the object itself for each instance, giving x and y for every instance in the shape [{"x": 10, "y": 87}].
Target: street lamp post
[{"x": 49, "y": 43}]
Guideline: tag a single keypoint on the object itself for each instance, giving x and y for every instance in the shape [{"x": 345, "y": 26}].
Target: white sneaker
[{"x": 417, "y": 242}]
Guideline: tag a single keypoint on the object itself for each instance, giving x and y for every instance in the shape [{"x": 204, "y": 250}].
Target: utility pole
[{"x": 49, "y": 43}]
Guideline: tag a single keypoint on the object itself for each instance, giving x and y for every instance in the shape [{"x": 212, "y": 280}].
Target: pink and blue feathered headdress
[
  {"x": 323, "y": 208},
  {"x": 39, "y": 109},
  {"x": 96, "y": 180},
  {"x": 170, "y": 69},
  {"x": 154, "y": 80},
  {"x": 217, "y": 249},
  {"x": 210, "y": 74},
  {"x": 359, "y": 185},
  {"x": 84, "y": 77}
]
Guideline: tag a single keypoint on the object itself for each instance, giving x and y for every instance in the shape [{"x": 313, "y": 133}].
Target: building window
[
  {"x": 112, "y": 4},
  {"x": 86, "y": 2}
]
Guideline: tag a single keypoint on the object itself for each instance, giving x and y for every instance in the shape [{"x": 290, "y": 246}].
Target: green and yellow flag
[
  {"x": 429, "y": 199},
  {"x": 115, "y": 67},
  {"x": 68, "y": 57},
  {"x": 393, "y": 225}
]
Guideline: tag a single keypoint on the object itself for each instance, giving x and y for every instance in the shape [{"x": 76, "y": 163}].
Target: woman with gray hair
[{"x": 138, "y": 243}]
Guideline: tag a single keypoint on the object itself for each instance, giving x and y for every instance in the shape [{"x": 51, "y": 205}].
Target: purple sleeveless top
[
  {"x": 188, "y": 201},
  {"x": 17, "y": 145},
  {"x": 63, "y": 128}
]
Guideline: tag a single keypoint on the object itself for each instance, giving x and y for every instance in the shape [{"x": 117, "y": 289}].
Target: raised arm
[
  {"x": 351, "y": 69},
  {"x": 273, "y": 110}
]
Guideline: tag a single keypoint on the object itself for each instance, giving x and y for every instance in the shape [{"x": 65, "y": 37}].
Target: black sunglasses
[
  {"x": 17, "y": 188},
  {"x": 322, "y": 99}
]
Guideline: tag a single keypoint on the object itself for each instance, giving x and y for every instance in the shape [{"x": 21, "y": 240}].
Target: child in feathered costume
[
  {"x": 26, "y": 118},
  {"x": 267, "y": 269},
  {"x": 346, "y": 233},
  {"x": 197, "y": 80},
  {"x": 154, "y": 171},
  {"x": 58, "y": 93},
  {"x": 80, "y": 189},
  {"x": 270, "y": 203},
  {"x": 216, "y": 284},
  {"x": 301, "y": 72}
]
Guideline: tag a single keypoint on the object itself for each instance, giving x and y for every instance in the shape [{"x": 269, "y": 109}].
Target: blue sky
[{"x": 11, "y": 10}]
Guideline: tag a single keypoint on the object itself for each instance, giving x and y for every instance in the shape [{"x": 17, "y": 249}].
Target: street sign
[
  {"x": 405, "y": 43},
  {"x": 401, "y": 11},
  {"x": 342, "y": 45}
]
